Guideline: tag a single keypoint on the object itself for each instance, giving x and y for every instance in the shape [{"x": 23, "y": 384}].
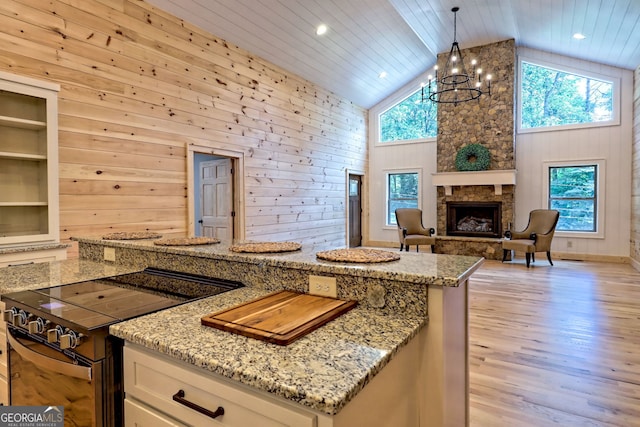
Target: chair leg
[
  {"x": 528, "y": 256},
  {"x": 401, "y": 246},
  {"x": 433, "y": 249},
  {"x": 504, "y": 254},
  {"x": 407, "y": 248},
  {"x": 549, "y": 257},
  {"x": 417, "y": 248},
  {"x": 533, "y": 257}
]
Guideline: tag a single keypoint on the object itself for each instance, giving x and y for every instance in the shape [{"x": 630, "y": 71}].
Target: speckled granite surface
[
  {"x": 323, "y": 370},
  {"x": 47, "y": 274},
  {"x": 432, "y": 269}
]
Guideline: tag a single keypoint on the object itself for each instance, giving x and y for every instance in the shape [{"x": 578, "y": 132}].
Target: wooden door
[
  {"x": 355, "y": 211},
  {"x": 216, "y": 199}
]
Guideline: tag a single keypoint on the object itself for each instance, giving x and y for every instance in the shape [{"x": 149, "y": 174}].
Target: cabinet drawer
[
  {"x": 154, "y": 379},
  {"x": 31, "y": 257},
  {"x": 139, "y": 415}
]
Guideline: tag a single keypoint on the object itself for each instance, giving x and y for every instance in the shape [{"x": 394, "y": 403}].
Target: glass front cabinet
[{"x": 28, "y": 162}]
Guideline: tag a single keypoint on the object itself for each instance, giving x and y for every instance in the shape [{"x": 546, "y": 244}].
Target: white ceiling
[{"x": 403, "y": 37}]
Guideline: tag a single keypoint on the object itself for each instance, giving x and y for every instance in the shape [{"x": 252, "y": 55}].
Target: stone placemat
[
  {"x": 186, "y": 241},
  {"x": 358, "y": 255},
  {"x": 131, "y": 235},
  {"x": 265, "y": 247}
]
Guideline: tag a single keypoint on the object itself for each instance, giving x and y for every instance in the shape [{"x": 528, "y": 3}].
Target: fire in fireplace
[{"x": 474, "y": 219}]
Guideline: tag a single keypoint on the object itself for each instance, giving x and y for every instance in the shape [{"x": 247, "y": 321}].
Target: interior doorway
[
  {"x": 355, "y": 211},
  {"x": 215, "y": 198}
]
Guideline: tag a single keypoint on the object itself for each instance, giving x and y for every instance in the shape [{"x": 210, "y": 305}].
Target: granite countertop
[
  {"x": 47, "y": 274},
  {"x": 413, "y": 267},
  {"x": 323, "y": 370}
]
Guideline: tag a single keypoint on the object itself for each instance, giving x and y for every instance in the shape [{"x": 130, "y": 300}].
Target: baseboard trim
[
  {"x": 381, "y": 244},
  {"x": 590, "y": 257}
]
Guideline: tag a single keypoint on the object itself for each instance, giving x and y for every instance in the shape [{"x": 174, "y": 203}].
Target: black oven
[
  {"x": 41, "y": 375},
  {"x": 60, "y": 351}
]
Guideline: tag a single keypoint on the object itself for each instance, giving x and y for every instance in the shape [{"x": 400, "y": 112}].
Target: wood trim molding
[{"x": 238, "y": 186}]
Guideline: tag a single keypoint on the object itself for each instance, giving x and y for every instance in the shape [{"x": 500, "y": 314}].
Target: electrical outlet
[
  {"x": 109, "y": 254},
  {"x": 323, "y": 286}
]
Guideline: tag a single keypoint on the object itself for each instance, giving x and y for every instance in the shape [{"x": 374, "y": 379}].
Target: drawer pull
[{"x": 179, "y": 397}]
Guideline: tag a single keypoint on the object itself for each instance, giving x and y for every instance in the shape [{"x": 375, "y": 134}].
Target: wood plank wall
[
  {"x": 635, "y": 185},
  {"x": 138, "y": 85}
]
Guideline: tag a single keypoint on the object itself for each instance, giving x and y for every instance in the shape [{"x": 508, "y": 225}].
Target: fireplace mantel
[{"x": 497, "y": 178}]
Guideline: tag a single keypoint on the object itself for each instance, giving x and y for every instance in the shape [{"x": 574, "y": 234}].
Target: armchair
[
  {"x": 411, "y": 231},
  {"x": 535, "y": 238}
]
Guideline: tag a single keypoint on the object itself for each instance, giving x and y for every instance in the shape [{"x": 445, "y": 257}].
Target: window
[
  {"x": 552, "y": 98},
  {"x": 402, "y": 192},
  {"x": 409, "y": 119},
  {"x": 573, "y": 191}
]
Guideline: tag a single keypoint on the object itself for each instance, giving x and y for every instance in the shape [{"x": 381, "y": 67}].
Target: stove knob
[
  {"x": 8, "y": 314},
  {"x": 54, "y": 333},
  {"x": 37, "y": 326},
  {"x": 70, "y": 340},
  {"x": 21, "y": 318}
]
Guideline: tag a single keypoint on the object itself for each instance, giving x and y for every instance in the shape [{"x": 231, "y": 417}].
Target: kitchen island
[{"x": 399, "y": 358}]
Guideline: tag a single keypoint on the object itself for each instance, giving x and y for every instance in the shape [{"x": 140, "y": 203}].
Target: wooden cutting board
[{"x": 279, "y": 318}]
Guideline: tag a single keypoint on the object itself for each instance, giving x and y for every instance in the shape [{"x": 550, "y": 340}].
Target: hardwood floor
[{"x": 555, "y": 345}]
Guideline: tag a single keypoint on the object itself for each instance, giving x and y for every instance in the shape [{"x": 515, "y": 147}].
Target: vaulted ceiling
[{"x": 403, "y": 37}]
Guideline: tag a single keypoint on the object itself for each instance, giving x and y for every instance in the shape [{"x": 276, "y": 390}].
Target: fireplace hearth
[{"x": 474, "y": 219}]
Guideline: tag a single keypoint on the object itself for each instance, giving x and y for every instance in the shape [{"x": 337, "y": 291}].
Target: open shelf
[
  {"x": 22, "y": 123},
  {"x": 28, "y": 161}
]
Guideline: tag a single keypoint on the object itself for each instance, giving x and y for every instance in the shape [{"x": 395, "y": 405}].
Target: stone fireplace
[{"x": 489, "y": 121}]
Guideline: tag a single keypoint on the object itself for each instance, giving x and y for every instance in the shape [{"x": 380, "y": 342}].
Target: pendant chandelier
[{"x": 455, "y": 84}]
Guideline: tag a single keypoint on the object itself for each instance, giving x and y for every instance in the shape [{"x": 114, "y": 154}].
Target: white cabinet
[
  {"x": 152, "y": 381},
  {"x": 28, "y": 161},
  {"x": 29, "y": 257}
]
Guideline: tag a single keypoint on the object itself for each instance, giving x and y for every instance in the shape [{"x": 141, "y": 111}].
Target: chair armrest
[
  {"x": 404, "y": 232},
  {"x": 533, "y": 236},
  {"x": 519, "y": 235}
]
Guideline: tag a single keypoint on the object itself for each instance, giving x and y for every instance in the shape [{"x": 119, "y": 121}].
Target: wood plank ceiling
[{"x": 403, "y": 37}]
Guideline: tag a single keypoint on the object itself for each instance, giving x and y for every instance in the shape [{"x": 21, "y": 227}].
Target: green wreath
[{"x": 473, "y": 157}]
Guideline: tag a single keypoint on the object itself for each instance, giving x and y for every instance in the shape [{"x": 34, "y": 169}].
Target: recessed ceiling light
[
  {"x": 579, "y": 36},
  {"x": 382, "y": 75},
  {"x": 321, "y": 29}
]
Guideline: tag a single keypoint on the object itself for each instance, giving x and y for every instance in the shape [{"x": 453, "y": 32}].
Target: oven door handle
[{"x": 42, "y": 361}]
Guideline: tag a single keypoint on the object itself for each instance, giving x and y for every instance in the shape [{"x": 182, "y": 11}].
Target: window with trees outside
[
  {"x": 573, "y": 191},
  {"x": 552, "y": 97},
  {"x": 409, "y": 119},
  {"x": 402, "y": 192}
]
